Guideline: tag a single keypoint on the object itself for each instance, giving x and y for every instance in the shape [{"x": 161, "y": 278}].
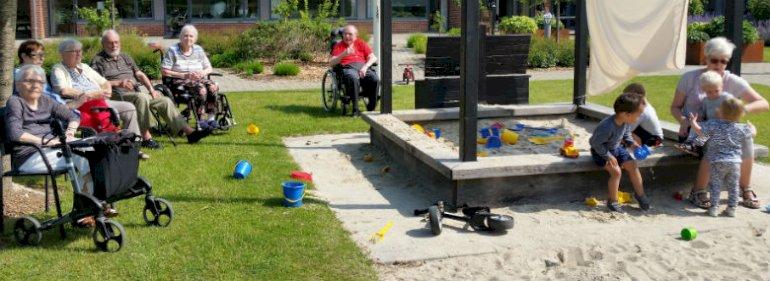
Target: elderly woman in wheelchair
[
  {"x": 186, "y": 66},
  {"x": 351, "y": 61}
]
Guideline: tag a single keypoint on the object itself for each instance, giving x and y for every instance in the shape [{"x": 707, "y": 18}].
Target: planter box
[
  {"x": 750, "y": 53},
  {"x": 563, "y": 33}
]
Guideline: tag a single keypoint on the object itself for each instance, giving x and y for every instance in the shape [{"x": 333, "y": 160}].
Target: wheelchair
[
  {"x": 192, "y": 101},
  {"x": 113, "y": 159},
  {"x": 333, "y": 88}
]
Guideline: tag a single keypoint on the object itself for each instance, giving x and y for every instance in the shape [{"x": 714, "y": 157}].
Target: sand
[{"x": 564, "y": 240}]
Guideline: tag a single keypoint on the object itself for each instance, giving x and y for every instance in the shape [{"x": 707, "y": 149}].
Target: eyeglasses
[
  {"x": 33, "y": 81},
  {"x": 37, "y": 55},
  {"x": 722, "y": 61},
  {"x": 74, "y": 51}
]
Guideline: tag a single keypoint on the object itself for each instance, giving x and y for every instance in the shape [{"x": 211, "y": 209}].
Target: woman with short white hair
[
  {"x": 688, "y": 98},
  {"x": 186, "y": 65}
]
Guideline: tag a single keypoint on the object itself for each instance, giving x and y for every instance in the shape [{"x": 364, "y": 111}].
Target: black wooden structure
[
  {"x": 472, "y": 66},
  {"x": 505, "y": 63}
]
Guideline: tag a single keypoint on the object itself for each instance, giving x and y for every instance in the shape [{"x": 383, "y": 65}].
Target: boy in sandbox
[{"x": 607, "y": 149}]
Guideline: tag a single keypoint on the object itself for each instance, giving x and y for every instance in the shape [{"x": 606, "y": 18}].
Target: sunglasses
[{"x": 722, "y": 61}]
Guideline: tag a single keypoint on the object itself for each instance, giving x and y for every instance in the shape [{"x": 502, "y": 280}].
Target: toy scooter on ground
[{"x": 479, "y": 218}]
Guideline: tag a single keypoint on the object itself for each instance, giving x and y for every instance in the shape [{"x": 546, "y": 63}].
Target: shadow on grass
[
  {"x": 267, "y": 202},
  {"x": 51, "y": 239},
  {"x": 313, "y": 111}
]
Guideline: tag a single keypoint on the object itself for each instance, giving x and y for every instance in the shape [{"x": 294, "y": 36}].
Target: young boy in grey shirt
[{"x": 608, "y": 152}]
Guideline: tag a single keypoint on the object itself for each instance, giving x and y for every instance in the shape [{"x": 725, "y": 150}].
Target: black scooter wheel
[
  {"x": 27, "y": 232},
  {"x": 434, "y": 217},
  {"x": 499, "y": 222}
]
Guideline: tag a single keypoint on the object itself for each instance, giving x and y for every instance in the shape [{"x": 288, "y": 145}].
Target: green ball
[{"x": 689, "y": 233}]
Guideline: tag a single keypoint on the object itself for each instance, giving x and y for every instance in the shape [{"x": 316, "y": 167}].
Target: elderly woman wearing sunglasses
[{"x": 689, "y": 99}]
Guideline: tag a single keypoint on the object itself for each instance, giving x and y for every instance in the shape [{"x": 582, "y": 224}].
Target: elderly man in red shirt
[{"x": 353, "y": 58}]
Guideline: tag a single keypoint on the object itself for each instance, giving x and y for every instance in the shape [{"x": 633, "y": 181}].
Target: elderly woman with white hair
[
  {"x": 27, "y": 120},
  {"x": 689, "y": 99},
  {"x": 186, "y": 65}
]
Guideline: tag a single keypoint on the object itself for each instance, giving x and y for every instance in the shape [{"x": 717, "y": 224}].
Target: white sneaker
[
  {"x": 730, "y": 212},
  {"x": 713, "y": 211}
]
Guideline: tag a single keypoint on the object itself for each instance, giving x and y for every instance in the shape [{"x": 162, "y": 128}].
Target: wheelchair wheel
[
  {"x": 108, "y": 235},
  {"x": 224, "y": 116},
  {"x": 329, "y": 91},
  {"x": 27, "y": 232},
  {"x": 161, "y": 214},
  {"x": 370, "y": 103}
]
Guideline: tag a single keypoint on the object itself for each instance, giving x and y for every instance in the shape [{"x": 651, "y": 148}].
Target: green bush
[
  {"x": 227, "y": 59},
  {"x": 286, "y": 69},
  {"x": 543, "y": 53},
  {"x": 565, "y": 53},
  {"x": 540, "y": 19},
  {"x": 414, "y": 37},
  {"x": 96, "y": 21},
  {"x": 717, "y": 28},
  {"x": 221, "y": 42},
  {"x": 364, "y": 36},
  {"x": 250, "y": 67},
  {"x": 518, "y": 24},
  {"x": 454, "y": 31},
  {"x": 303, "y": 56},
  {"x": 132, "y": 44},
  {"x": 759, "y": 9},
  {"x": 438, "y": 22},
  {"x": 420, "y": 45},
  {"x": 696, "y": 7},
  {"x": 696, "y": 32}
]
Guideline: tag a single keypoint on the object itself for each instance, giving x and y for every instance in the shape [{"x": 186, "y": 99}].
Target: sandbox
[{"x": 519, "y": 170}]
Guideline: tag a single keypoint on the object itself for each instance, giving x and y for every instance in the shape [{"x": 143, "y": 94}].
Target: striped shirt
[{"x": 175, "y": 60}]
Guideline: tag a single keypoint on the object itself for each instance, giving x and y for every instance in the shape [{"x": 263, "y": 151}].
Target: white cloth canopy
[{"x": 628, "y": 37}]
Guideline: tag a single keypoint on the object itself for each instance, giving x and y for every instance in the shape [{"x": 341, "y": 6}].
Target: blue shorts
[{"x": 620, "y": 153}]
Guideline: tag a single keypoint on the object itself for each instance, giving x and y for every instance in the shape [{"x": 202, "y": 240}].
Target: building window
[
  {"x": 224, "y": 9},
  {"x": 348, "y": 8},
  {"x": 409, "y": 9},
  {"x": 127, "y": 9}
]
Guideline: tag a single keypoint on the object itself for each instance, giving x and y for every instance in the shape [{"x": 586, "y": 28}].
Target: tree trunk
[{"x": 7, "y": 46}]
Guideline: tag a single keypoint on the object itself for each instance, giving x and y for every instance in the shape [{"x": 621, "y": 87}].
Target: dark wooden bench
[{"x": 506, "y": 65}]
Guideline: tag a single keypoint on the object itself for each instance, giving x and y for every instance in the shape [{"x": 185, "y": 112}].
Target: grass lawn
[{"x": 228, "y": 229}]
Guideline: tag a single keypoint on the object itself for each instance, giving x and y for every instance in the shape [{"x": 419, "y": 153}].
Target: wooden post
[
  {"x": 386, "y": 61},
  {"x": 470, "y": 56},
  {"x": 734, "y": 32},
  {"x": 581, "y": 54}
]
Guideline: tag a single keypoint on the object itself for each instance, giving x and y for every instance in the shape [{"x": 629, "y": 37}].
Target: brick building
[{"x": 46, "y": 18}]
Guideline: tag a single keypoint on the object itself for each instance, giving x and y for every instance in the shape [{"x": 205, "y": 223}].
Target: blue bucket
[
  {"x": 293, "y": 192},
  {"x": 242, "y": 169}
]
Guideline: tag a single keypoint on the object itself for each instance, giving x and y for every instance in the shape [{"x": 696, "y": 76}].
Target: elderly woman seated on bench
[{"x": 27, "y": 120}]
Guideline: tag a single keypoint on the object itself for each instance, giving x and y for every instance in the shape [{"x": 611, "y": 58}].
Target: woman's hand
[{"x": 50, "y": 142}]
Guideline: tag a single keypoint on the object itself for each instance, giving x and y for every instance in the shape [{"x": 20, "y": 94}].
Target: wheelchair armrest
[{"x": 214, "y": 74}]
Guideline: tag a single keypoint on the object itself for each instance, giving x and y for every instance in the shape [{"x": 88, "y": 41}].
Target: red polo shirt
[{"x": 362, "y": 52}]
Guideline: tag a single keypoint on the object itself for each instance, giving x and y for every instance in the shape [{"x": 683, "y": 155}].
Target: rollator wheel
[
  {"x": 161, "y": 215},
  {"x": 499, "y": 222},
  {"x": 434, "y": 217},
  {"x": 109, "y": 236},
  {"x": 26, "y": 230},
  {"x": 225, "y": 123}
]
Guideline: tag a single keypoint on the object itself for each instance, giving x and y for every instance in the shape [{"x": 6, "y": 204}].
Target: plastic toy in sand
[
  {"x": 592, "y": 202},
  {"x": 544, "y": 130},
  {"x": 482, "y": 154},
  {"x": 493, "y": 142},
  {"x": 568, "y": 149},
  {"x": 418, "y": 128},
  {"x": 544, "y": 140},
  {"x": 252, "y": 129},
  {"x": 509, "y": 137},
  {"x": 678, "y": 196},
  {"x": 688, "y": 233},
  {"x": 624, "y": 197},
  {"x": 487, "y": 132}
]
